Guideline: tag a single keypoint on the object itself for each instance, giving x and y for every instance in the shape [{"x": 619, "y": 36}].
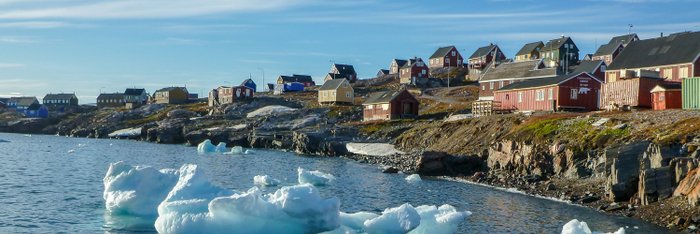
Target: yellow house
[
  {"x": 336, "y": 91},
  {"x": 171, "y": 95}
]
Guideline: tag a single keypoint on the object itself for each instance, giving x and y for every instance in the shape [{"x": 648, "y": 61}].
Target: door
[{"x": 407, "y": 109}]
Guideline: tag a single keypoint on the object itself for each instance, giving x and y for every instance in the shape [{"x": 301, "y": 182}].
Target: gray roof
[
  {"x": 529, "y": 47},
  {"x": 24, "y": 101},
  {"x": 670, "y": 85},
  {"x": 673, "y": 49},
  {"x": 382, "y": 97},
  {"x": 518, "y": 70},
  {"x": 555, "y": 44},
  {"x": 384, "y": 71},
  {"x": 332, "y": 84},
  {"x": 483, "y": 51},
  {"x": 297, "y": 78},
  {"x": 337, "y": 76},
  {"x": 442, "y": 52},
  {"x": 345, "y": 69},
  {"x": 110, "y": 96},
  {"x": 412, "y": 62},
  {"x": 134, "y": 92},
  {"x": 607, "y": 49},
  {"x": 588, "y": 66},
  {"x": 60, "y": 96},
  {"x": 623, "y": 39},
  {"x": 534, "y": 83},
  {"x": 168, "y": 89}
]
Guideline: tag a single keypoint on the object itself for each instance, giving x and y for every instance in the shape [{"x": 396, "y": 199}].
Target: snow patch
[
  {"x": 270, "y": 110},
  {"x": 372, "y": 149},
  {"x": 413, "y": 178},
  {"x": 127, "y": 132},
  {"x": 265, "y": 180},
  {"x": 314, "y": 177},
  {"x": 578, "y": 227},
  {"x": 454, "y": 118}
]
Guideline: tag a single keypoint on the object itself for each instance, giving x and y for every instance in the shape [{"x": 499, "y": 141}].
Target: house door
[{"x": 407, "y": 109}]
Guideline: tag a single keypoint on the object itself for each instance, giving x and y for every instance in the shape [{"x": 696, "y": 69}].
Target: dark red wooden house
[
  {"x": 390, "y": 105},
  {"x": 666, "y": 95},
  {"x": 565, "y": 92}
]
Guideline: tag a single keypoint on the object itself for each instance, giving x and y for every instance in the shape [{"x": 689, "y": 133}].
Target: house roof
[
  {"x": 345, "y": 69},
  {"x": 111, "y": 96},
  {"x": 518, "y": 70},
  {"x": 382, "y": 97},
  {"x": 588, "y": 66},
  {"x": 555, "y": 44},
  {"x": 400, "y": 62},
  {"x": 297, "y": 78},
  {"x": 623, "y": 39},
  {"x": 412, "y": 62},
  {"x": 529, "y": 47},
  {"x": 483, "y": 51},
  {"x": 24, "y": 101},
  {"x": 59, "y": 96},
  {"x": 442, "y": 52},
  {"x": 384, "y": 71},
  {"x": 168, "y": 89},
  {"x": 534, "y": 83},
  {"x": 332, "y": 84},
  {"x": 134, "y": 92},
  {"x": 607, "y": 49},
  {"x": 664, "y": 86},
  {"x": 673, "y": 49},
  {"x": 337, "y": 76}
]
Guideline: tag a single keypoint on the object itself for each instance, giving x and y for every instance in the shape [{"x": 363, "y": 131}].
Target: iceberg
[
  {"x": 237, "y": 150},
  {"x": 221, "y": 148},
  {"x": 314, "y": 177},
  {"x": 578, "y": 227},
  {"x": 400, "y": 219},
  {"x": 136, "y": 190},
  {"x": 414, "y": 178},
  {"x": 438, "y": 220},
  {"x": 206, "y": 147},
  {"x": 265, "y": 180}
]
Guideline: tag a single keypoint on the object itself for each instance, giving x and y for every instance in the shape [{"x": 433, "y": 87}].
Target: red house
[
  {"x": 565, "y": 92},
  {"x": 666, "y": 95},
  {"x": 446, "y": 57},
  {"x": 390, "y": 105},
  {"x": 503, "y": 74},
  {"x": 482, "y": 58},
  {"x": 415, "y": 69}
]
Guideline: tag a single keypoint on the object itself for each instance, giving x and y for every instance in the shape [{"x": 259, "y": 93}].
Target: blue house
[
  {"x": 20, "y": 104},
  {"x": 250, "y": 84},
  {"x": 37, "y": 111}
]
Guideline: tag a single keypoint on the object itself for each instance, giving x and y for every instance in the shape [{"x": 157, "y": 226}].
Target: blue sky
[{"x": 85, "y": 46}]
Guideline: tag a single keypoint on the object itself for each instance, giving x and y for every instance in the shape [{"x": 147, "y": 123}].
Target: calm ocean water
[{"x": 52, "y": 184}]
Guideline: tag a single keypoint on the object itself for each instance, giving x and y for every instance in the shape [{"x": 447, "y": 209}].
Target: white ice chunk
[
  {"x": 206, "y": 147},
  {"x": 400, "y": 219},
  {"x": 578, "y": 227},
  {"x": 221, "y": 148},
  {"x": 265, "y": 180},
  {"x": 413, "y": 178},
  {"x": 270, "y": 110},
  {"x": 136, "y": 190},
  {"x": 438, "y": 220},
  {"x": 356, "y": 221},
  {"x": 314, "y": 177},
  {"x": 237, "y": 150}
]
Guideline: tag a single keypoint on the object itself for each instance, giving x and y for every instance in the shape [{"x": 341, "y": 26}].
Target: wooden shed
[
  {"x": 631, "y": 93},
  {"x": 666, "y": 95},
  {"x": 390, "y": 105},
  {"x": 691, "y": 93}
]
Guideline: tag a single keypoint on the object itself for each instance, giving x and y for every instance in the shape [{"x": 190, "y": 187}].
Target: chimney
[{"x": 662, "y": 34}]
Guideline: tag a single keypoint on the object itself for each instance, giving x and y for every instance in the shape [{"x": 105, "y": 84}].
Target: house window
[
  {"x": 500, "y": 84},
  {"x": 507, "y": 97},
  {"x": 348, "y": 95},
  {"x": 574, "y": 94},
  {"x": 491, "y": 85},
  {"x": 683, "y": 73},
  {"x": 423, "y": 72},
  {"x": 661, "y": 97},
  {"x": 539, "y": 95},
  {"x": 668, "y": 73},
  {"x": 551, "y": 93},
  {"x": 520, "y": 96},
  {"x": 483, "y": 87},
  {"x": 454, "y": 53}
]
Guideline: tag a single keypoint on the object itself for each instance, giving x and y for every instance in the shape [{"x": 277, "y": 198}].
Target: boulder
[
  {"x": 690, "y": 187},
  {"x": 622, "y": 181},
  {"x": 180, "y": 114},
  {"x": 519, "y": 158},
  {"x": 681, "y": 166},
  {"x": 655, "y": 184}
]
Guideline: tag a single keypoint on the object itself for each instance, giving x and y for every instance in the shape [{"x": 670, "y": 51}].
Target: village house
[
  {"x": 342, "y": 71},
  {"x": 412, "y": 71},
  {"x": 382, "y": 72},
  {"x": 530, "y": 51},
  {"x": 110, "y": 100},
  {"x": 390, "y": 105},
  {"x": 134, "y": 97},
  {"x": 577, "y": 92},
  {"x": 36, "y": 110},
  {"x": 594, "y": 67},
  {"x": 336, "y": 91},
  {"x": 250, "y": 84},
  {"x": 446, "y": 57},
  {"x": 666, "y": 95},
  {"x": 674, "y": 57},
  {"x": 560, "y": 52},
  {"x": 395, "y": 65},
  {"x": 691, "y": 93},
  {"x": 228, "y": 95},
  {"x": 171, "y": 95},
  {"x": 609, "y": 51},
  {"x": 482, "y": 58},
  {"x": 306, "y": 80},
  {"x": 503, "y": 74},
  {"x": 20, "y": 104},
  {"x": 60, "y": 101}
]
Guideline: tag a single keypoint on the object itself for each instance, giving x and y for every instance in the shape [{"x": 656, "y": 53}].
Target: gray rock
[
  {"x": 655, "y": 184},
  {"x": 625, "y": 160}
]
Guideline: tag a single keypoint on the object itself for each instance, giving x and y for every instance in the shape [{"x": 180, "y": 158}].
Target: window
[
  {"x": 347, "y": 94},
  {"x": 612, "y": 76},
  {"x": 574, "y": 94},
  {"x": 483, "y": 87},
  {"x": 491, "y": 85},
  {"x": 501, "y": 84},
  {"x": 661, "y": 96},
  {"x": 520, "y": 96},
  {"x": 668, "y": 73},
  {"x": 454, "y": 53},
  {"x": 539, "y": 95},
  {"x": 423, "y": 72},
  {"x": 683, "y": 73},
  {"x": 507, "y": 97},
  {"x": 551, "y": 93}
]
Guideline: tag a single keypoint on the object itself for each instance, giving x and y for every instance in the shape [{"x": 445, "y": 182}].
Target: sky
[{"x": 93, "y": 46}]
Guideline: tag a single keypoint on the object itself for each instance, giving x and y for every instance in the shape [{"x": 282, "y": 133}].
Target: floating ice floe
[
  {"x": 191, "y": 204},
  {"x": 413, "y": 178},
  {"x": 372, "y": 149},
  {"x": 265, "y": 180},
  {"x": 314, "y": 177},
  {"x": 237, "y": 150},
  {"x": 578, "y": 227},
  {"x": 71, "y": 151},
  {"x": 221, "y": 148},
  {"x": 206, "y": 147},
  {"x": 127, "y": 132},
  {"x": 136, "y": 190}
]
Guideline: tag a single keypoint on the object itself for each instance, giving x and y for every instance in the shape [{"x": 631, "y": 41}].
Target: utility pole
[
  {"x": 629, "y": 31},
  {"x": 263, "y": 78}
]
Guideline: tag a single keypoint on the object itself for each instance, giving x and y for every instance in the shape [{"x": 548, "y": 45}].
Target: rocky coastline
[{"x": 618, "y": 167}]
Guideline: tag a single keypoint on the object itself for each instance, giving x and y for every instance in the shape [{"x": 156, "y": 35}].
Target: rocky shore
[{"x": 636, "y": 164}]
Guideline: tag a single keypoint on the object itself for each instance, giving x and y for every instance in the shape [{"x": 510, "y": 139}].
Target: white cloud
[
  {"x": 11, "y": 65},
  {"x": 130, "y": 9},
  {"x": 40, "y": 24},
  {"x": 17, "y": 40},
  {"x": 186, "y": 28}
]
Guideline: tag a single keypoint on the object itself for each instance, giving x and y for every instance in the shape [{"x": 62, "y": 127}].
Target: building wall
[
  {"x": 691, "y": 93},
  {"x": 634, "y": 92},
  {"x": 407, "y": 74},
  {"x": 376, "y": 112},
  {"x": 670, "y": 99},
  {"x": 102, "y": 103},
  {"x": 511, "y": 100},
  {"x": 487, "y": 88},
  {"x": 588, "y": 93},
  {"x": 344, "y": 94},
  {"x": 451, "y": 61},
  {"x": 233, "y": 94},
  {"x": 404, "y": 106},
  {"x": 670, "y": 73},
  {"x": 553, "y": 96}
]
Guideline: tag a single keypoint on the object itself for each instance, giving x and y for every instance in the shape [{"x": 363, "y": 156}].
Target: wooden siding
[
  {"x": 402, "y": 106},
  {"x": 554, "y": 97},
  {"x": 407, "y": 74},
  {"x": 588, "y": 94},
  {"x": 669, "y": 99},
  {"x": 230, "y": 95},
  {"x": 635, "y": 92},
  {"x": 669, "y": 73},
  {"x": 344, "y": 94},
  {"x": 486, "y": 89},
  {"x": 524, "y": 100}
]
